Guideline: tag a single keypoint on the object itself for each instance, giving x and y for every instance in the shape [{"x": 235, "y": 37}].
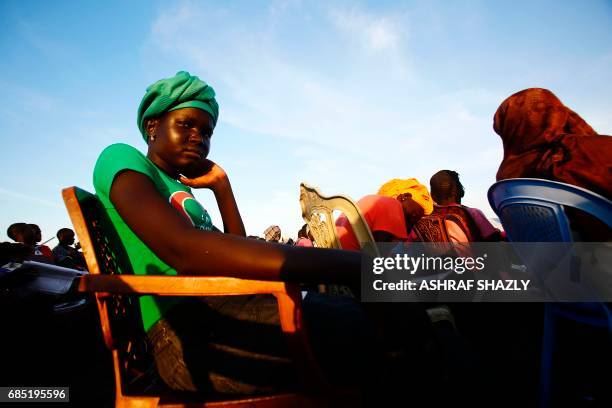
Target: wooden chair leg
[{"x": 122, "y": 401}]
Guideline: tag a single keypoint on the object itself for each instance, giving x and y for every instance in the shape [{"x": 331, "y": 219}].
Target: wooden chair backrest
[
  {"x": 122, "y": 325},
  {"x": 432, "y": 228},
  {"x": 120, "y": 316}
]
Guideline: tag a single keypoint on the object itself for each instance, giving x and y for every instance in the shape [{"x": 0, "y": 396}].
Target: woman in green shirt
[{"x": 199, "y": 345}]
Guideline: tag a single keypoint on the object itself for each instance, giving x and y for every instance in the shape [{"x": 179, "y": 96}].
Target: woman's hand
[{"x": 208, "y": 175}]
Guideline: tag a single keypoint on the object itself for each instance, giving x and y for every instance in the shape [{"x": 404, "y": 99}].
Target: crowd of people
[
  {"x": 177, "y": 117},
  {"x": 26, "y": 246}
]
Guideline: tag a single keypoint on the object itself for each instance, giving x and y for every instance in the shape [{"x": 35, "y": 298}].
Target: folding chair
[
  {"x": 116, "y": 289},
  {"x": 533, "y": 210}
]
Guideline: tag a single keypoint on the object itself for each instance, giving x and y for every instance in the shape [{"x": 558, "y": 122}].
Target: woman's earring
[{"x": 153, "y": 137}]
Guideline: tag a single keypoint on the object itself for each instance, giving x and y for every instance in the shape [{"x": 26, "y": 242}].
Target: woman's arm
[
  {"x": 194, "y": 252},
  {"x": 213, "y": 177},
  {"x": 232, "y": 220}
]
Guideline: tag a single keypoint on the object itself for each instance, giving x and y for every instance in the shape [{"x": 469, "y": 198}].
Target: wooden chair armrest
[
  {"x": 288, "y": 296},
  {"x": 178, "y": 285}
]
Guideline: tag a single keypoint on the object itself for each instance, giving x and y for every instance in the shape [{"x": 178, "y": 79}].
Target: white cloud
[
  {"x": 378, "y": 33},
  {"x": 357, "y": 130}
]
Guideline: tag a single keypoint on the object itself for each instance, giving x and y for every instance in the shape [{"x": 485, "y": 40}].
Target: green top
[{"x": 112, "y": 161}]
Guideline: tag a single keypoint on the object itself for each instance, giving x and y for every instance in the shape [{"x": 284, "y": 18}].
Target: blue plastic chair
[{"x": 533, "y": 210}]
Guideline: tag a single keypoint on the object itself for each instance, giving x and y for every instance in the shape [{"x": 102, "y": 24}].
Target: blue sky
[{"x": 343, "y": 95}]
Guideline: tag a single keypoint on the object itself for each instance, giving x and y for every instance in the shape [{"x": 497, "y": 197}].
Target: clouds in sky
[
  {"x": 351, "y": 86},
  {"x": 343, "y": 95}
]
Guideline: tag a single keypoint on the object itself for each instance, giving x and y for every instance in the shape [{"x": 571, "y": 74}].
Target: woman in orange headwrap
[
  {"x": 545, "y": 139},
  {"x": 390, "y": 214}
]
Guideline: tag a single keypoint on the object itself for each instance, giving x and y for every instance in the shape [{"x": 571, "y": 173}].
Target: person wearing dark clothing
[
  {"x": 65, "y": 254},
  {"x": 40, "y": 250},
  {"x": 545, "y": 139},
  {"x": 447, "y": 192},
  {"x": 25, "y": 235}
]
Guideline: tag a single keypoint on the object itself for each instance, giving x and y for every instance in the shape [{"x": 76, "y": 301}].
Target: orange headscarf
[
  {"x": 545, "y": 139},
  {"x": 419, "y": 192}
]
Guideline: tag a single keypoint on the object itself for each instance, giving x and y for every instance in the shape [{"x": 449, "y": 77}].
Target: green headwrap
[{"x": 180, "y": 91}]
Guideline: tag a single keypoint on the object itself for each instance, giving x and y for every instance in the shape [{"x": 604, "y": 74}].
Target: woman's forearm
[
  {"x": 232, "y": 220},
  {"x": 193, "y": 252},
  {"x": 227, "y": 255}
]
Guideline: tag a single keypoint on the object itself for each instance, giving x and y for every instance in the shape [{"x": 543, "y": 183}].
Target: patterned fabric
[{"x": 272, "y": 233}]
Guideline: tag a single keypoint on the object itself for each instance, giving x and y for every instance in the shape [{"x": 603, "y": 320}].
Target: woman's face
[
  {"x": 180, "y": 140},
  {"x": 413, "y": 212}
]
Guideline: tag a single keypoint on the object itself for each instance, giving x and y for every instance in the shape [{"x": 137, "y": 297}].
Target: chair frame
[
  {"x": 315, "y": 205},
  {"x": 555, "y": 196},
  {"x": 289, "y": 304},
  {"x": 550, "y": 194}
]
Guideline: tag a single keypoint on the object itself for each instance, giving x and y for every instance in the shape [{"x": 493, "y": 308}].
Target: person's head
[
  {"x": 533, "y": 117},
  {"x": 303, "y": 232},
  {"x": 37, "y": 232},
  {"x": 176, "y": 118},
  {"x": 21, "y": 232},
  {"x": 414, "y": 197},
  {"x": 446, "y": 188},
  {"x": 273, "y": 233},
  {"x": 413, "y": 211},
  {"x": 65, "y": 236}
]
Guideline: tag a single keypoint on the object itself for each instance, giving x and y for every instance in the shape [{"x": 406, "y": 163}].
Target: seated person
[
  {"x": 20, "y": 232},
  {"x": 13, "y": 252},
  {"x": 40, "y": 249},
  {"x": 209, "y": 344},
  {"x": 304, "y": 237},
  {"x": 390, "y": 214},
  {"x": 25, "y": 235},
  {"x": 65, "y": 254},
  {"x": 545, "y": 139},
  {"x": 463, "y": 224},
  {"x": 273, "y": 233}
]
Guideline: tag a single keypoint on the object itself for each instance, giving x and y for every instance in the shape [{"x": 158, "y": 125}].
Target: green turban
[{"x": 180, "y": 91}]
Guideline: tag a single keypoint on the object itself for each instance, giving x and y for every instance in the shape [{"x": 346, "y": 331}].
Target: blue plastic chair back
[{"x": 533, "y": 210}]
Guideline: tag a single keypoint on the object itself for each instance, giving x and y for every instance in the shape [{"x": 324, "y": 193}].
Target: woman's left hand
[{"x": 211, "y": 176}]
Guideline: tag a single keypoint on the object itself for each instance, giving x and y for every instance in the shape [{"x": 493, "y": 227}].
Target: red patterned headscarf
[{"x": 545, "y": 139}]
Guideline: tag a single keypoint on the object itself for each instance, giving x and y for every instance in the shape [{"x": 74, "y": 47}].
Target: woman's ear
[{"x": 151, "y": 129}]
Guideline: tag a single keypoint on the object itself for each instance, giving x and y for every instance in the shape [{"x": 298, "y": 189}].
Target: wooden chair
[
  {"x": 433, "y": 229},
  {"x": 116, "y": 289}
]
